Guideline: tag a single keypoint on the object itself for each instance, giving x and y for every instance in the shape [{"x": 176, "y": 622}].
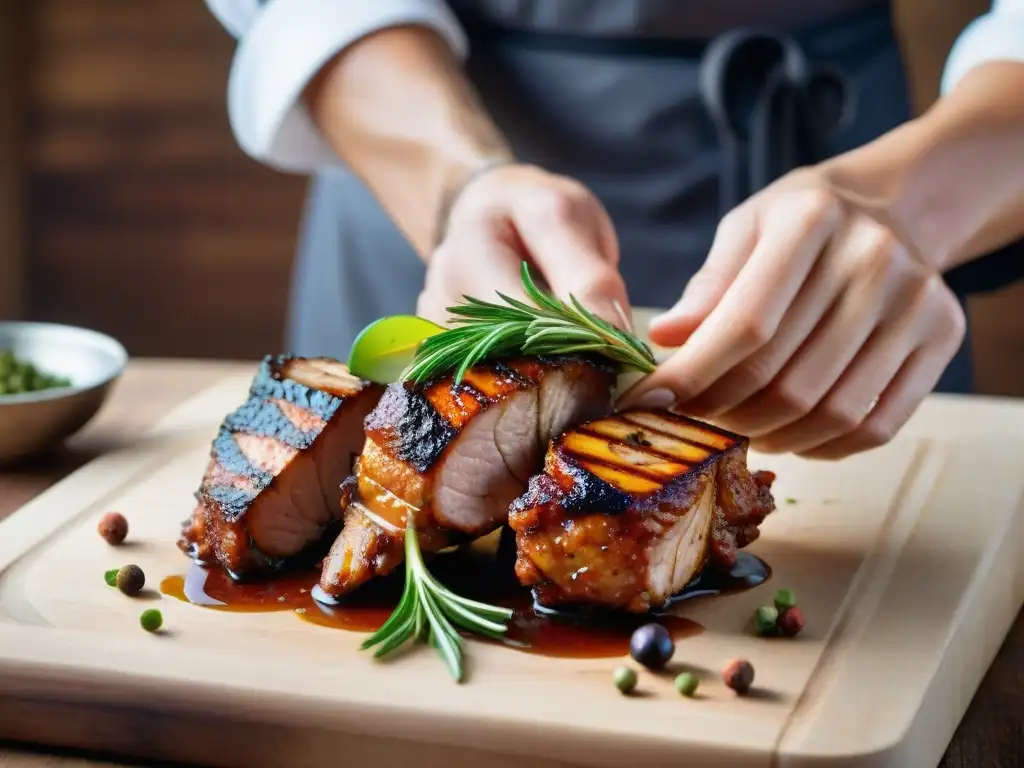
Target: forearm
[
  {"x": 398, "y": 110},
  {"x": 950, "y": 183}
]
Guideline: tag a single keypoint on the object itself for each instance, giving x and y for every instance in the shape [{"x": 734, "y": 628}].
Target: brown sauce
[{"x": 567, "y": 634}]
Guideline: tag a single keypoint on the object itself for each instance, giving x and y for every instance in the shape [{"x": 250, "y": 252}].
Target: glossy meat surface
[
  {"x": 273, "y": 483},
  {"x": 631, "y": 507},
  {"x": 453, "y": 458}
]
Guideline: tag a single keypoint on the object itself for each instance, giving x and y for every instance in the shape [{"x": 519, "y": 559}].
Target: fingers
[
  {"x": 449, "y": 277},
  {"x": 866, "y": 278},
  {"x": 734, "y": 241},
  {"x": 915, "y": 381},
  {"x": 752, "y": 308},
  {"x": 887, "y": 381},
  {"x": 572, "y": 242}
]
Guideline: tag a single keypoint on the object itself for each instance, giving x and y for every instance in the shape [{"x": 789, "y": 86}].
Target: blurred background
[{"x": 126, "y": 206}]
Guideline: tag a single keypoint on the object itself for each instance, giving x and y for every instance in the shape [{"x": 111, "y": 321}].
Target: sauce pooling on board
[{"x": 561, "y": 633}]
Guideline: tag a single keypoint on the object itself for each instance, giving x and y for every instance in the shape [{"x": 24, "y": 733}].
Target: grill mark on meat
[
  {"x": 662, "y": 444},
  {"x": 627, "y": 523},
  {"x": 685, "y": 429},
  {"x": 409, "y": 426},
  {"x": 270, "y": 490},
  {"x": 472, "y": 451}
]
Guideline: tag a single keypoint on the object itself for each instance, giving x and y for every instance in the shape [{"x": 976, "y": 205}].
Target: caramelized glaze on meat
[
  {"x": 629, "y": 508},
  {"x": 454, "y": 457},
  {"x": 272, "y": 486}
]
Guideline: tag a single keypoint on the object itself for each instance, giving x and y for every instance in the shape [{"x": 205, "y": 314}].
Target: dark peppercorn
[
  {"x": 113, "y": 527},
  {"x": 652, "y": 646},
  {"x": 739, "y": 675},
  {"x": 131, "y": 580}
]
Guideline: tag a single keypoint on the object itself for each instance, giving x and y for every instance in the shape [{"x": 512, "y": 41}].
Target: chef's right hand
[{"x": 515, "y": 213}]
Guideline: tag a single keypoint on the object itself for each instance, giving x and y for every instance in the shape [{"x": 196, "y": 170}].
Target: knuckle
[
  {"x": 842, "y": 415},
  {"x": 795, "y": 396},
  {"x": 757, "y": 372},
  {"x": 601, "y": 283},
  {"x": 753, "y": 330},
  {"x": 952, "y": 322},
  {"x": 567, "y": 203},
  {"x": 820, "y": 206},
  {"x": 877, "y": 251},
  {"x": 875, "y": 433}
]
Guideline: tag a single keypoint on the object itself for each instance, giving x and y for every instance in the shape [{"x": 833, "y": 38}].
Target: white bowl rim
[{"x": 100, "y": 340}]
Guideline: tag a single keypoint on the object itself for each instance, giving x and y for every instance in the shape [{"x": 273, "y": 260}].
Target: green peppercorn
[
  {"x": 766, "y": 619},
  {"x": 131, "y": 580},
  {"x": 111, "y": 577},
  {"x": 687, "y": 683},
  {"x": 151, "y": 620},
  {"x": 784, "y": 599},
  {"x": 625, "y": 679}
]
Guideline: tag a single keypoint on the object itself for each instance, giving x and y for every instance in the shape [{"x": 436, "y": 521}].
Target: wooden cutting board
[{"x": 905, "y": 560}]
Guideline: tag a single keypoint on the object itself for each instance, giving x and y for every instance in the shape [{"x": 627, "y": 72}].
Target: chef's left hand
[{"x": 810, "y": 327}]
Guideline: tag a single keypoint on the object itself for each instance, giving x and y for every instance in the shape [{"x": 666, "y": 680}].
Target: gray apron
[{"x": 626, "y": 121}]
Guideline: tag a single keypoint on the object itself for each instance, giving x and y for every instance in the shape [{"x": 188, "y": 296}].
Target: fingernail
[
  {"x": 627, "y": 321},
  {"x": 659, "y": 397}
]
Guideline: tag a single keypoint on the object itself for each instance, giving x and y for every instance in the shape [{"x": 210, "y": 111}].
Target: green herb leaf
[
  {"x": 428, "y": 609},
  {"x": 486, "y": 330}
]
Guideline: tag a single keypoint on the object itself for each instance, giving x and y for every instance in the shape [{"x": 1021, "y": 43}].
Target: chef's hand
[
  {"x": 517, "y": 213},
  {"x": 810, "y": 327}
]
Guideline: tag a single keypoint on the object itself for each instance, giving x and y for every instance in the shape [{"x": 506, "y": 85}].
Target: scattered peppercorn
[
  {"x": 765, "y": 619},
  {"x": 111, "y": 577},
  {"x": 739, "y": 675},
  {"x": 131, "y": 580},
  {"x": 113, "y": 528},
  {"x": 652, "y": 646},
  {"x": 151, "y": 620},
  {"x": 625, "y": 679},
  {"x": 791, "y": 621},
  {"x": 784, "y": 599},
  {"x": 686, "y": 683}
]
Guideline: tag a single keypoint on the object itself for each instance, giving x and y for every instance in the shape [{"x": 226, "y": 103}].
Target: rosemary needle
[
  {"x": 485, "y": 330},
  {"x": 428, "y": 610}
]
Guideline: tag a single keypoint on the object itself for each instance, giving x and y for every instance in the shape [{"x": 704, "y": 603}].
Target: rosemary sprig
[
  {"x": 428, "y": 610},
  {"x": 486, "y": 330}
]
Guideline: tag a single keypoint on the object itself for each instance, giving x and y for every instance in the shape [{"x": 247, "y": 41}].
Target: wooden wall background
[{"x": 144, "y": 220}]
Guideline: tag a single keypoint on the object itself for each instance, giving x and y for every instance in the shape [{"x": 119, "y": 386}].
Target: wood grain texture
[
  {"x": 146, "y": 220},
  {"x": 991, "y": 734},
  {"x": 860, "y": 555}
]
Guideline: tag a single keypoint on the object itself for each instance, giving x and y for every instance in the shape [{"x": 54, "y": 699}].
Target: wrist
[
  {"x": 397, "y": 108},
  {"x": 948, "y": 182},
  {"x": 459, "y": 181}
]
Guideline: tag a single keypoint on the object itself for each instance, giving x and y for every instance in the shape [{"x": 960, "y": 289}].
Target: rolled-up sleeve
[
  {"x": 282, "y": 44},
  {"x": 995, "y": 36}
]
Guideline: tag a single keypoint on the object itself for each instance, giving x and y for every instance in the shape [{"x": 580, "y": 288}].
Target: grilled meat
[
  {"x": 631, "y": 507},
  {"x": 273, "y": 483},
  {"x": 454, "y": 457}
]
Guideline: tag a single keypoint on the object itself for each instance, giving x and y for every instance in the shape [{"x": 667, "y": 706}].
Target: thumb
[
  {"x": 573, "y": 244},
  {"x": 733, "y": 244}
]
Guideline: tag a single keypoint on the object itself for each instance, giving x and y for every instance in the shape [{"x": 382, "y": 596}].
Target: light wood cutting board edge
[{"x": 31, "y": 678}]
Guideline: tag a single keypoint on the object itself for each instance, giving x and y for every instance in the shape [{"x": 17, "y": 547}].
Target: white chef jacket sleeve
[
  {"x": 995, "y": 36},
  {"x": 282, "y": 44}
]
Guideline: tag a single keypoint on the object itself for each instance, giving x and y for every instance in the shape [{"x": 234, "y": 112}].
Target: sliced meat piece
[
  {"x": 454, "y": 457},
  {"x": 631, "y": 507},
  {"x": 273, "y": 485}
]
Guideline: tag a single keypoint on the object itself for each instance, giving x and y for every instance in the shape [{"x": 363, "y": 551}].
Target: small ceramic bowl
[{"x": 32, "y": 423}]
